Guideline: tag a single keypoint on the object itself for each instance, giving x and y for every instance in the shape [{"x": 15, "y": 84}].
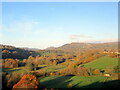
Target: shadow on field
[
  {"x": 63, "y": 83},
  {"x": 109, "y": 84},
  {"x": 59, "y": 82},
  {"x": 40, "y": 67}
]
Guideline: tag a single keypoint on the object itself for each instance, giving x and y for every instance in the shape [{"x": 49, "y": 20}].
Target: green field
[
  {"x": 102, "y": 63},
  {"x": 72, "y": 82}
]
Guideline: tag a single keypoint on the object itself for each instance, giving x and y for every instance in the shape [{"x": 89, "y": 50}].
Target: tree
[
  {"x": 32, "y": 63},
  {"x": 30, "y": 59},
  {"x": 29, "y": 67},
  {"x": 27, "y": 81},
  {"x": 10, "y": 63},
  {"x": 54, "y": 62}
]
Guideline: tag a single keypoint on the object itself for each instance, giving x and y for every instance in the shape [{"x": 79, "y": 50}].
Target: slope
[{"x": 102, "y": 63}]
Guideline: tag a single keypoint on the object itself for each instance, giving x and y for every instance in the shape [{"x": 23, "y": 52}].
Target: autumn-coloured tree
[
  {"x": 54, "y": 62},
  {"x": 10, "y": 63},
  {"x": 32, "y": 62},
  {"x": 27, "y": 81}
]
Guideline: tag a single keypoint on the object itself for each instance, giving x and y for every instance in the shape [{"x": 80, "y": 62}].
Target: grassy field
[
  {"x": 53, "y": 67},
  {"x": 102, "y": 63},
  {"x": 72, "y": 82}
]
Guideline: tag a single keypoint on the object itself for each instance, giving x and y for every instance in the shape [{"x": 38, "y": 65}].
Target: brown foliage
[
  {"x": 10, "y": 63},
  {"x": 80, "y": 71},
  {"x": 97, "y": 72},
  {"x": 27, "y": 81}
]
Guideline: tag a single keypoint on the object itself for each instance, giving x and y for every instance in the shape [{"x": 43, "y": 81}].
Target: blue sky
[{"x": 41, "y": 25}]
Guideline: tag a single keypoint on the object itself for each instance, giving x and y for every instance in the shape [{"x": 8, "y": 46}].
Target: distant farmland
[{"x": 102, "y": 63}]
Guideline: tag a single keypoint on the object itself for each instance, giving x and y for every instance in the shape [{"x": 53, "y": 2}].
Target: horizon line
[{"x": 59, "y": 46}]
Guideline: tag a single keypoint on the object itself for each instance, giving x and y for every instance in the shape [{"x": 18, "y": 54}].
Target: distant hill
[
  {"x": 73, "y": 47},
  {"x": 50, "y": 48},
  {"x": 29, "y": 49},
  {"x": 15, "y": 53},
  {"x": 21, "y": 53}
]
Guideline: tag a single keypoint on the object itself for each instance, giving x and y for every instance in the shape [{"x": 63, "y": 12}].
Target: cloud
[
  {"x": 79, "y": 36},
  {"x": 106, "y": 40},
  {"x": 90, "y": 39}
]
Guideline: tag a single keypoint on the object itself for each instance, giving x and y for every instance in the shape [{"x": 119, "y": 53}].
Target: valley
[{"x": 83, "y": 68}]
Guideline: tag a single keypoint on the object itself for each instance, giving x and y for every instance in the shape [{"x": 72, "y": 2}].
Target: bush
[{"x": 97, "y": 72}]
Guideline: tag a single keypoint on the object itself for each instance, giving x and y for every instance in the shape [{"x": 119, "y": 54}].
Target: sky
[{"x": 45, "y": 24}]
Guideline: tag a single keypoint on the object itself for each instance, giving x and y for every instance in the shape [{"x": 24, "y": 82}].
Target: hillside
[
  {"x": 15, "y": 53},
  {"x": 21, "y": 53},
  {"x": 102, "y": 63},
  {"x": 79, "y": 47}
]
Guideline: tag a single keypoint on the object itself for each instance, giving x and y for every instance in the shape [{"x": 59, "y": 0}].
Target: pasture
[{"x": 102, "y": 63}]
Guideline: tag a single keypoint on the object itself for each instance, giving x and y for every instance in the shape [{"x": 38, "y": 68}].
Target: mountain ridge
[{"x": 77, "y": 46}]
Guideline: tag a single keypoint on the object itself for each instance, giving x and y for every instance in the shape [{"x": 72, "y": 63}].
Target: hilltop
[{"x": 74, "y": 47}]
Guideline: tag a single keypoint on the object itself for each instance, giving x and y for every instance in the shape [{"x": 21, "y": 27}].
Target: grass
[
  {"x": 102, "y": 63},
  {"x": 17, "y": 70},
  {"x": 51, "y": 68},
  {"x": 71, "y": 81}
]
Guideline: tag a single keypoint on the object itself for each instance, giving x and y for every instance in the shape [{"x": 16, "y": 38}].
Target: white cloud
[
  {"x": 90, "y": 39},
  {"x": 79, "y": 36}
]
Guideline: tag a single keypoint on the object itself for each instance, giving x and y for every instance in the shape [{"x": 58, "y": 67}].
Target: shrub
[{"x": 97, "y": 72}]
